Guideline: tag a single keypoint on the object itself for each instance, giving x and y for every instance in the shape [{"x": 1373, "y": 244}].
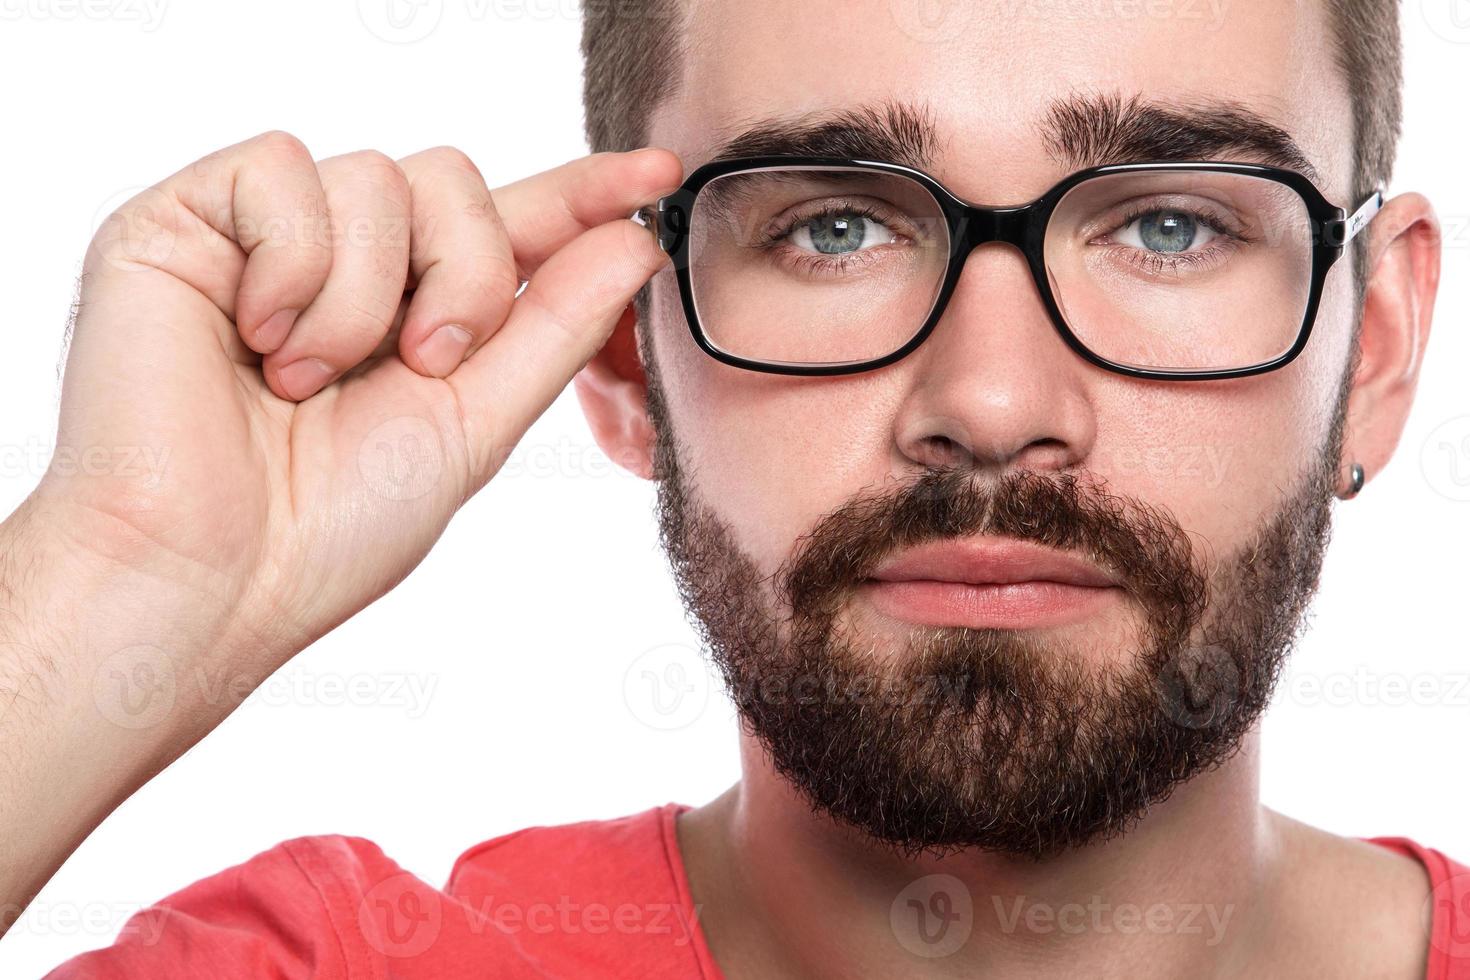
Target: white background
[{"x": 510, "y": 680}]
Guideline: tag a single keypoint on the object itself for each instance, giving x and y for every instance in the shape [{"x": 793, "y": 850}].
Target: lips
[{"x": 991, "y": 561}]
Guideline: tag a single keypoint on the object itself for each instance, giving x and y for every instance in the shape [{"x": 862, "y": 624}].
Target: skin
[
  {"x": 784, "y": 891},
  {"x": 273, "y": 483}
]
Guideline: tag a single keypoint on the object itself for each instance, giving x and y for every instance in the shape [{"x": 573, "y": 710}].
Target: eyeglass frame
[{"x": 1022, "y": 226}]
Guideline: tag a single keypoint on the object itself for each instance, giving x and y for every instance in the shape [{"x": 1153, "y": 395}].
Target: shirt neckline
[{"x": 668, "y": 819}]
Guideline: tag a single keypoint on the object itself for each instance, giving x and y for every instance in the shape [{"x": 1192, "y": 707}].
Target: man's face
[{"x": 1201, "y": 475}]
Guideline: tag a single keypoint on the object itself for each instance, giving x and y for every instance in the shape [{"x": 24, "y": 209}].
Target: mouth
[{"x": 999, "y": 583}]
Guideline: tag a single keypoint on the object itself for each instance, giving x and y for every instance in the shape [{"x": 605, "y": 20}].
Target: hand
[
  {"x": 298, "y": 370},
  {"x": 285, "y": 376}
]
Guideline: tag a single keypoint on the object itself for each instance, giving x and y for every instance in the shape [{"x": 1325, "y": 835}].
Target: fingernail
[
  {"x": 304, "y": 378},
  {"x": 271, "y": 334},
  {"x": 444, "y": 350}
]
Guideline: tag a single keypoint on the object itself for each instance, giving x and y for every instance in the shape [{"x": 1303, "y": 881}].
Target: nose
[{"x": 994, "y": 386}]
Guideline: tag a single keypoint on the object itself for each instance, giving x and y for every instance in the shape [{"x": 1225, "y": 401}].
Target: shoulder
[
  {"x": 288, "y": 912},
  {"x": 597, "y": 897},
  {"x": 634, "y": 853},
  {"x": 1445, "y": 904},
  {"x": 1390, "y": 902},
  {"x": 559, "y": 849},
  {"x": 302, "y": 877}
]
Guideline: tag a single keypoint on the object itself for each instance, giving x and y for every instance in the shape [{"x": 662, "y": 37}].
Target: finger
[
  {"x": 368, "y": 202},
  {"x": 244, "y": 226},
  {"x": 558, "y": 322},
  {"x": 460, "y": 258},
  {"x": 543, "y": 212}
]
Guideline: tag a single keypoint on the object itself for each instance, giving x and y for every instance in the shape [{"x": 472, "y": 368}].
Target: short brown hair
[{"x": 632, "y": 52}]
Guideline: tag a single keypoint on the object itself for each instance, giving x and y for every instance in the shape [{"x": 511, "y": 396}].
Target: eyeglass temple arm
[
  {"x": 647, "y": 216},
  {"x": 1347, "y": 229},
  {"x": 666, "y": 225}
]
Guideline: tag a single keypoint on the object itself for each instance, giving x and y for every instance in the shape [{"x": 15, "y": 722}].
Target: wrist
[
  {"x": 124, "y": 652},
  {"x": 88, "y": 710}
]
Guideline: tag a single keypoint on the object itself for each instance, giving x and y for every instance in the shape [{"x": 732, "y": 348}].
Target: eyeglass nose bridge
[{"x": 975, "y": 226}]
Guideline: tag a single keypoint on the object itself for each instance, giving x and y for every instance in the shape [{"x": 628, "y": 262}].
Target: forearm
[{"x": 90, "y": 701}]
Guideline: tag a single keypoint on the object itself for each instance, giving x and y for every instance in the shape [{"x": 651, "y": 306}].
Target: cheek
[
  {"x": 1221, "y": 456},
  {"x": 770, "y": 454}
]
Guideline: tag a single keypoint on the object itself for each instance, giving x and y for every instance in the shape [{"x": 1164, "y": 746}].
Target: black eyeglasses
[{"x": 1169, "y": 271}]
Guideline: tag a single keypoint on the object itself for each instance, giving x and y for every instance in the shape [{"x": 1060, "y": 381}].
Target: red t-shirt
[{"x": 596, "y": 899}]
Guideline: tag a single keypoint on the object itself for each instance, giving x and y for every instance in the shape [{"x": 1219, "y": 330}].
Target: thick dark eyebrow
[
  {"x": 1083, "y": 131},
  {"x": 896, "y": 132},
  {"x": 1077, "y": 131}
]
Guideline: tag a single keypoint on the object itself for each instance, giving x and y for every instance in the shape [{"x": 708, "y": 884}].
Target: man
[{"x": 1000, "y": 679}]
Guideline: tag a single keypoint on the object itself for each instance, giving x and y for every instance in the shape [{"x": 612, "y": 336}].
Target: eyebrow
[
  {"x": 1077, "y": 131},
  {"x": 897, "y": 132}
]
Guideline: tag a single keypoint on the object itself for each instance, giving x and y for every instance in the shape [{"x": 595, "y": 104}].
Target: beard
[{"x": 996, "y": 739}]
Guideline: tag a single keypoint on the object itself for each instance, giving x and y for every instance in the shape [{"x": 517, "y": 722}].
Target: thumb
[{"x": 559, "y": 321}]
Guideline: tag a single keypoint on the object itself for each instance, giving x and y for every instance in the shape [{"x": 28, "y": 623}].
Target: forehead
[{"x": 988, "y": 72}]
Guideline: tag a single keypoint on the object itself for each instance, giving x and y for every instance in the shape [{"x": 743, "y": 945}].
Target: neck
[{"x": 788, "y": 892}]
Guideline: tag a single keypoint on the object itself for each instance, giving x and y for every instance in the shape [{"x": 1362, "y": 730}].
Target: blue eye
[
  {"x": 1166, "y": 232},
  {"x": 840, "y": 233}
]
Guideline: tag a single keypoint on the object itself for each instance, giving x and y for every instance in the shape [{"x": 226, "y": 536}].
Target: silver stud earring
[{"x": 1356, "y": 477}]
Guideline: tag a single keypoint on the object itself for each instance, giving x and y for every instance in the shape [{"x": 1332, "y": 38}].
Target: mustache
[{"x": 1142, "y": 545}]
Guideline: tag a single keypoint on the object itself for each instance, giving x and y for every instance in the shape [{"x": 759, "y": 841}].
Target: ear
[
  {"x": 1403, "y": 259},
  {"x": 612, "y": 389}
]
